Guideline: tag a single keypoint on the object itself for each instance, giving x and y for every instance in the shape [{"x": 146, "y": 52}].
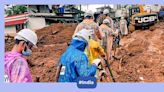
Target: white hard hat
[
  {"x": 88, "y": 13},
  {"x": 106, "y": 11},
  {"x": 84, "y": 34},
  {"x": 27, "y": 35},
  {"x": 105, "y": 21}
]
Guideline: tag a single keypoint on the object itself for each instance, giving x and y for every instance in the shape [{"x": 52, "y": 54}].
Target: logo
[
  {"x": 62, "y": 72},
  {"x": 86, "y": 82},
  {"x": 146, "y": 19},
  {"x": 6, "y": 78}
]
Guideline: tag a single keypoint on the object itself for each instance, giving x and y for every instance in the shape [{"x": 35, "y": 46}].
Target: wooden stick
[{"x": 58, "y": 72}]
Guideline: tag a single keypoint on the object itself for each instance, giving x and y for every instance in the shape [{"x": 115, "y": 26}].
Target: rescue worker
[
  {"x": 123, "y": 26},
  {"x": 89, "y": 24},
  {"x": 74, "y": 61},
  {"x": 94, "y": 51},
  {"x": 103, "y": 16},
  {"x": 16, "y": 67},
  {"x": 107, "y": 39}
]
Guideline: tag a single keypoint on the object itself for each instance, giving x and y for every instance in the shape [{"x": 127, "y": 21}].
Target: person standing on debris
[
  {"x": 103, "y": 16},
  {"x": 16, "y": 67},
  {"x": 89, "y": 24},
  {"x": 94, "y": 51},
  {"x": 107, "y": 38},
  {"x": 74, "y": 61},
  {"x": 123, "y": 26}
]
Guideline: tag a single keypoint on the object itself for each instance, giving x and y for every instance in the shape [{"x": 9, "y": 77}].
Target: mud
[{"x": 140, "y": 56}]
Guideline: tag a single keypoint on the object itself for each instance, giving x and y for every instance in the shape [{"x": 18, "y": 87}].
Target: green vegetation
[{"x": 16, "y": 10}]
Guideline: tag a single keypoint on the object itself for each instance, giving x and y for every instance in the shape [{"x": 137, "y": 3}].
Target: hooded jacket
[{"x": 75, "y": 63}]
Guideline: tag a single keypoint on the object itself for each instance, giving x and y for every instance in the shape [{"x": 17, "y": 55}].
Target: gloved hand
[
  {"x": 96, "y": 62},
  {"x": 101, "y": 72},
  {"x": 99, "y": 75}
]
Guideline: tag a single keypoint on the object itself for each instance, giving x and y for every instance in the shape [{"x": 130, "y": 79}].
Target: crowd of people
[{"x": 90, "y": 42}]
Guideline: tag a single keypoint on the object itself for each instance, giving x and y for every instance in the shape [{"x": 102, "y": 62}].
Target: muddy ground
[{"x": 140, "y": 56}]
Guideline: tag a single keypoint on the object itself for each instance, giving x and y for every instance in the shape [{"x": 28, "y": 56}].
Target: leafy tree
[{"x": 16, "y": 10}]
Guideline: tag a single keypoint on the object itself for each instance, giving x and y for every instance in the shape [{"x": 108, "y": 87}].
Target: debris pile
[{"x": 140, "y": 58}]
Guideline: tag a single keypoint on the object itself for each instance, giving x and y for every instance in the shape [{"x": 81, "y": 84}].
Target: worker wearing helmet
[
  {"x": 123, "y": 26},
  {"x": 107, "y": 39},
  {"x": 74, "y": 61},
  {"x": 89, "y": 24},
  {"x": 16, "y": 67},
  {"x": 103, "y": 16}
]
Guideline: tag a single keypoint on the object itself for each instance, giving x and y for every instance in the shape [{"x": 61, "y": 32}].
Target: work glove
[
  {"x": 96, "y": 62},
  {"x": 99, "y": 75}
]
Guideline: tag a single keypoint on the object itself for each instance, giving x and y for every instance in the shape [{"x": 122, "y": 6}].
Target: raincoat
[
  {"x": 106, "y": 31},
  {"x": 93, "y": 51},
  {"x": 91, "y": 26},
  {"x": 75, "y": 63},
  {"x": 107, "y": 40},
  {"x": 101, "y": 18},
  {"x": 109, "y": 46},
  {"x": 123, "y": 27},
  {"x": 16, "y": 68}
]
